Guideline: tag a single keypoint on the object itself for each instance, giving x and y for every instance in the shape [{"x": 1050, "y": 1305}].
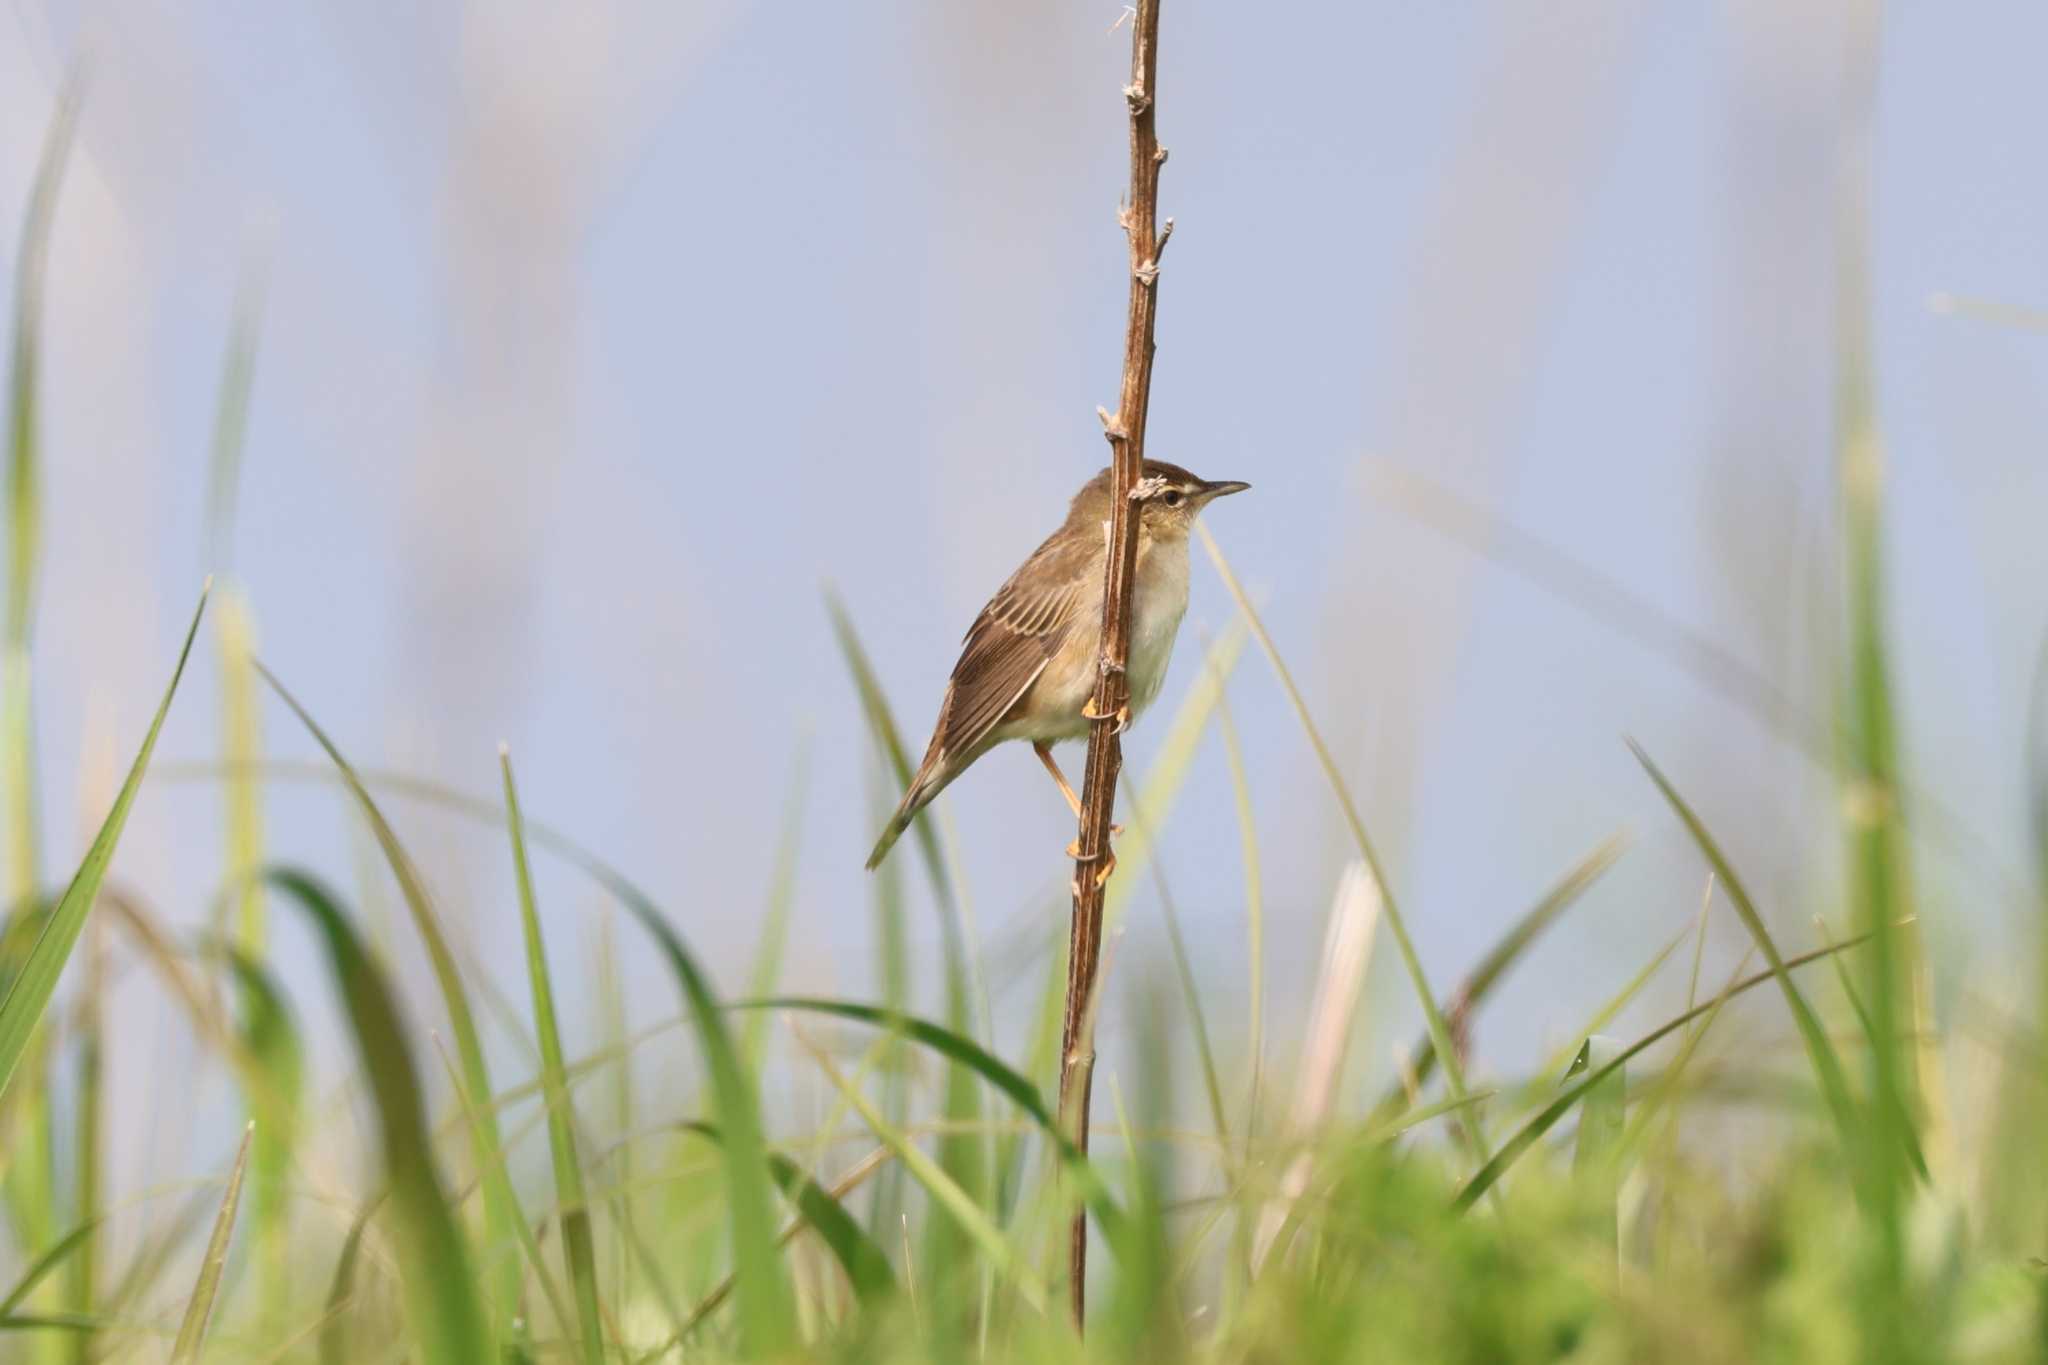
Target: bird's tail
[
  {"x": 923, "y": 787},
  {"x": 891, "y": 832}
]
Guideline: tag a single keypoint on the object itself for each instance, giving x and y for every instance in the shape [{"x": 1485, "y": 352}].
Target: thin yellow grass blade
[
  {"x": 199, "y": 1308},
  {"x": 1439, "y": 1033}
]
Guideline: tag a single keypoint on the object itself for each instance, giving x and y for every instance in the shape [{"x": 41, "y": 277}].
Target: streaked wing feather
[{"x": 1017, "y": 634}]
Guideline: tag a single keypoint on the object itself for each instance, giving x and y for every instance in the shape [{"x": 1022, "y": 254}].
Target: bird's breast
[{"x": 1160, "y": 601}]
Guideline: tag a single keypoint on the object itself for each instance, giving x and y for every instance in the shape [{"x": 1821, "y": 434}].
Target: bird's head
[{"x": 1170, "y": 498}]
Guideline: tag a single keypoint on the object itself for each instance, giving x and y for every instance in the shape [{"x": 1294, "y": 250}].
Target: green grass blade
[
  {"x": 1153, "y": 802},
  {"x": 1617, "y": 1002},
  {"x": 766, "y": 1312},
  {"x": 1902, "y": 1126},
  {"x": 28, "y": 1117},
  {"x": 24, "y": 502},
  {"x": 962, "y": 1154},
  {"x": 1254, "y": 911},
  {"x": 1873, "y": 815},
  {"x": 882, "y": 722},
  {"x": 86, "y": 1142},
  {"x": 1543, "y": 1122},
  {"x": 518, "y": 1334},
  {"x": 231, "y": 424},
  {"x": 840, "y": 1189},
  {"x": 30, "y": 992},
  {"x": 1190, "y": 993},
  {"x": 271, "y": 1041},
  {"x": 1501, "y": 957},
  {"x": 434, "y": 1260},
  {"x": 1827, "y": 1066},
  {"x": 1041, "y": 1053},
  {"x": 577, "y": 1250},
  {"x": 335, "y": 1321},
  {"x": 199, "y": 1308},
  {"x": 972, "y": 1218},
  {"x": 1602, "y": 1117},
  {"x": 964, "y": 1051},
  {"x": 53, "y": 1256},
  {"x": 241, "y": 748},
  {"x": 866, "y": 1266},
  {"x": 774, "y": 937},
  {"x": 502, "y": 1218},
  {"x": 1439, "y": 1034}
]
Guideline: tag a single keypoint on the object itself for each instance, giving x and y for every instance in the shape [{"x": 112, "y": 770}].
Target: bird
[{"x": 1028, "y": 664}]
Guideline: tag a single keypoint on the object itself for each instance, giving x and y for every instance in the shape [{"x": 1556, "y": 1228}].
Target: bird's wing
[{"x": 1008, "y": 646}]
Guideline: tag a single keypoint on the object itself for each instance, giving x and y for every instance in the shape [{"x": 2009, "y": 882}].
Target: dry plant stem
[{"x": 1126, "y": 432}]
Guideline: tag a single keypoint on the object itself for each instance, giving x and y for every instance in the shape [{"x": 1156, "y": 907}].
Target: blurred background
[{"x": 595, "y": 343}]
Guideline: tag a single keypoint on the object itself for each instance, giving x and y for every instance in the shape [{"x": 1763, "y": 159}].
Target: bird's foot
[
  {"x": 1122, "y": 713},
  {"x": 1074, "y": 846},
  {"x": 1106, "y": 859}
]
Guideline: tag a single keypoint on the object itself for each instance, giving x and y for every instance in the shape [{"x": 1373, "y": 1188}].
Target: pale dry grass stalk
[{"x": 1347, "y": 950}]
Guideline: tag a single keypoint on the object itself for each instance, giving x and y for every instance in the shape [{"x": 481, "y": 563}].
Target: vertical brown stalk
[{"x": 1126, "y": 432}]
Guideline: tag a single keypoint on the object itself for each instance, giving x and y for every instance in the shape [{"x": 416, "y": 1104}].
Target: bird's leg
[{"x": 1044, "y": 752}]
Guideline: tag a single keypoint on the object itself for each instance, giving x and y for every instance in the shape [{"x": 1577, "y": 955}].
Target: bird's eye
[{"x": 1173, "y": 497}]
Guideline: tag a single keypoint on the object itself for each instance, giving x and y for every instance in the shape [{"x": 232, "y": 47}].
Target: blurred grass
[
  {"x": 780, "y": 1264},
  {"x": 894, "y": 1187},
  {"x": 1594, "y": 1235},
  {"x": 27, "y": 1119}
]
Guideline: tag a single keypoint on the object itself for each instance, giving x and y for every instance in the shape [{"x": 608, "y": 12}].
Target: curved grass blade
[
  {"x": 270, "y": 1038},
  {"x": 1439, "y": 1032},
  {"x": 1154, "y": 797},
  {"x": 1902, "y": 1123},
  {"x": 973, "y": 1220},
  {"x": 262, "y": 1047},
  {"x": 1503, "y": 955},
  {"x": 30, "y": 992},
  {"x": 49, "y": 1261},
  {"x": 709, "y": 1304},
  {"x": 575, "y": 1209},
  {"x": 964, "y": 1158},
  {"x": 882, "y": 721},
  {"x": 1191, "y": 999},
  {"x": 1542, "y": 1123},
  {"x": 503, "y": 1221},
  {"x": 867, "y": 1268},
  {"x": 334, "y": 1342},
  {"x": 1820, "y": 1052},
  {"x": 434, "y": 1258},
  {"x": 199, "y": 1309},
  {"x": 767, "y": 1314},
  {"x": 966, "y": 1052}
]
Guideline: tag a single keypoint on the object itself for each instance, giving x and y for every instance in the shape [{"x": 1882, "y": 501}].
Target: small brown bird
[{"x": 1028, "y": 667}]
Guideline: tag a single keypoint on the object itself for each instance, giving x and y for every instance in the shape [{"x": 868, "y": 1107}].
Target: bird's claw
[
  {"x": 1106, "y": 858},
  {"x": 1122, "y": 714}
]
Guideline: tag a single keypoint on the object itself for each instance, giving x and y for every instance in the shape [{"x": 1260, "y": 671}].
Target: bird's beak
[{"x": 1222, "y": 488}]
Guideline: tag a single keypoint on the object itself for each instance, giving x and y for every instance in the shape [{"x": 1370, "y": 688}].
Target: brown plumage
[{"x": 1028, "y": 663}]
